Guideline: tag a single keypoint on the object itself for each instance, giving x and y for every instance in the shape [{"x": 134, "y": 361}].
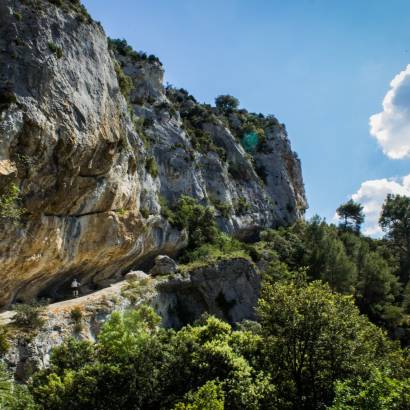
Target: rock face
[
  {"x": 228, "y": 289},
  {"x": 92, "y": 178}
]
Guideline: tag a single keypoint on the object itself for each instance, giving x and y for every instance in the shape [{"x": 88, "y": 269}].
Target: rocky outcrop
[
  {"x": 163, "y": 265},
  {"x": 80, "y": 165},
  {"x": 199, "y": 152},
  {"x": 92, "y": 176},
  {"x": 227, "y": 289}
]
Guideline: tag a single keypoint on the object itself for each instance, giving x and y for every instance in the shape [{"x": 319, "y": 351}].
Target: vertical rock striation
[{"x": 94, "y": 156}]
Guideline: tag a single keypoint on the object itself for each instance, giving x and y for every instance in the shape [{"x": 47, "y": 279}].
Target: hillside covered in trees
[
  {"x": 332, "y": 330},
  {"x": 201, "y": 286}
]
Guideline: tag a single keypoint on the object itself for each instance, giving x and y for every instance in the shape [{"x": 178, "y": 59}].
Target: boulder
[
  {"x": 228, "y": 289},
  {"x": 136, "y": 275},
  {"x": 164, "y": 265}
]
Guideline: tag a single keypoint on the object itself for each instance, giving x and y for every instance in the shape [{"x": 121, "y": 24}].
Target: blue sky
[{"x": 322, "y": 67}]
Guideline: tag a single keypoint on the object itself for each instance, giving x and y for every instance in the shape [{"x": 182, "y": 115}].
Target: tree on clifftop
[{"x": 226, "y": 103}]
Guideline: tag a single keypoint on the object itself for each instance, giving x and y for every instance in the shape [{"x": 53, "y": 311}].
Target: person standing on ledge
[{"x": 75, "y": 284}]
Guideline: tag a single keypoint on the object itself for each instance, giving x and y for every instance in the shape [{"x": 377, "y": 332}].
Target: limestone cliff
[{"x": 96, "y": 145}]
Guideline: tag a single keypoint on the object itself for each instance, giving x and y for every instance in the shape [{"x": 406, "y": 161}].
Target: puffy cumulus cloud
[
  {"x": 391, "y": 127},
  {"x": 372, "y": 194}
]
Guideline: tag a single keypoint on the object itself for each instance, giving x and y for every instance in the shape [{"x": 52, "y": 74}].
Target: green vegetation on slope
[
  {"x": 332, "y": 301},
  {"x": 310, "y": 346}
]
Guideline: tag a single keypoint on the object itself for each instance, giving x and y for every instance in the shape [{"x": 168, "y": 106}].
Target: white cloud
[
  {"x": 391, "y": 127},
  {"x": 372, "y": 194}
]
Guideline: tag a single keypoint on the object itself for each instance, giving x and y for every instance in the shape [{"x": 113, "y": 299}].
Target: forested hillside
[{"x": 332, "y": 303}]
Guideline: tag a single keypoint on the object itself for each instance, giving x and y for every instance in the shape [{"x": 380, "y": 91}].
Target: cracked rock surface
[{"x": 68, "y": 142}]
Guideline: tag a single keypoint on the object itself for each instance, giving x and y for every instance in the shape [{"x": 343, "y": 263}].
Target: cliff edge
[{"x": 93, "y": 148}]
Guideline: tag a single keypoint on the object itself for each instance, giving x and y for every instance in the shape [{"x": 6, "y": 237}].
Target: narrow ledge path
[{"x": 67, "y": 305}]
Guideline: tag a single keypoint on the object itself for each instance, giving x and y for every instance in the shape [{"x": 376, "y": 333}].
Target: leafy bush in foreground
[{"x": 309, "y": 341}]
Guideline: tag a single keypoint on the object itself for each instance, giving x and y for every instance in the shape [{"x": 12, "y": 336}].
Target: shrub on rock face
[
  {"x": 124, "y": 49},
  {"x": 4, "y": 343},
  {"x": 151, "y": 166},
  {"x": 29, "y": 316},
  {"x": 199, "y": 220},
  {"x": 76, "y": 6},
  {"x": 9, "y": 204},
  {"x": 125, "y": 83},
  {"x": 76, "y": 316},
  {"x": 54, "y": 48}
]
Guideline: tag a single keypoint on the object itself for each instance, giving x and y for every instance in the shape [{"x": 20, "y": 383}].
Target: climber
[{"x": 75, "y": 284}]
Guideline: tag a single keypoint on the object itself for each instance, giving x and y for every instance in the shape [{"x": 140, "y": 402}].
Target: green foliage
[
  {"x": 124, "y": 81},
  {"x": 210, "y": 396},
  {"x": 242, "y": 206},
  {"x": 377, "y": 287},
  {"x": 122, "y": 48},
  {"x": 314, "y": 337},
  {"x": 166, "y": 211},
  {"x": 395, "y": 221},
  {"x": 76, "y": 315},
  {"x": 224, "y": 208},
  {"x": 379, "y": 392},
  {"x": 226, "y": 103},
  {"x": 309, "y": 340},
  {"x": 140, "y": 125},
  {"x": 72, "y": 355},
  {"x": 223, "y": 247},
  {"x": 54, "y": 48},
  {"x": 252, "y": 137},
  {"x": 348, "y": 262},
  {"x": 136, "y": 365},
  {"x": 144, "y": 212},
  {"x": 4, "y": 342},
  {"x": 197, "y": 219},
  {"x": 135, "y": 289},
  {"x": 179, "y": 96},
  {"x": 351, "y": 214},
  {"x": 151, "y": 166},
  {"x": 119, "y": 372},
  {"x": 9, "y": 204},
  {"x": 76, "y": 6},
  {"x": 29, "y": 316},
  {"x": 200, "y": 139},
  {"x": 13, "y": 396},
  {"x": 195, "y": 117}
]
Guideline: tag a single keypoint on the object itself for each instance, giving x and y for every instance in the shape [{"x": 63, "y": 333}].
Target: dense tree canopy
[
  {"x": 395, "y": 221},
  {"x": 310, "y": 347}
]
